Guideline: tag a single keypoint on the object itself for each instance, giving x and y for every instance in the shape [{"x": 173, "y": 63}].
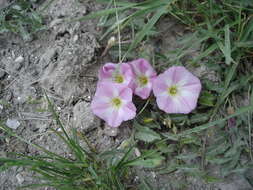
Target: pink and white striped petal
[
  {"x": 177, "y": 90},
  {"x": 118, "y": 73},
  {"x": 113, "y": 103},
  {"x": 143, "y": 77}
]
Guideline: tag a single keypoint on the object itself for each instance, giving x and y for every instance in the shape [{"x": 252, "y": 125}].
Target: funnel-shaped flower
[
  {"x": 117, "y": 73},
  {"x": 113, "y": 103},
  {"x": 176, "y": 90},
  {"x": 143, "y": 76}
]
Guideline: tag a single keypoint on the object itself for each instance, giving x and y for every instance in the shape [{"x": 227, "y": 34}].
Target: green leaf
[
  {"x": 211, "y": 179},
  {"x": 199, "y": 118},
  {"x": 169, "y": 169},
  {"x": 165, "y": 148},
  {"x": 217, "y": 149},
  {"x": 146, "y": 134},
  {"x": 207, "y": 99},
  {"x": 190, "y": 139},
  {"x": 147, "y": 163}
]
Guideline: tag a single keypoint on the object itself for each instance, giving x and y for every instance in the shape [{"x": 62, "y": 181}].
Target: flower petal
[
  {"x": 159, "y": 85},
  {"x": 126, "y": 94},
  {"x": 105, "y": 89},
  {"x": 143, "y": 76},
  {"x": 106, "y": 71},
  {"x": 129, "y": 111},
  {"x": 102, "y": 104},
  {"x": 143, "y": 92},
  {"x": 115, "y": 119}
]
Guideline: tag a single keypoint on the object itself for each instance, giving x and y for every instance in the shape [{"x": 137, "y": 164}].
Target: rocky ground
[{"x": 62, "y": 61}]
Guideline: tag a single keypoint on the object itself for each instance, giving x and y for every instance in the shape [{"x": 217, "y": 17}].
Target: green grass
[
  {"x": 20, "y": 18},
  {"x": 205, "y": 138},
  {"x": 86, "y": 169},
  {"x": 224, "y": 33}
]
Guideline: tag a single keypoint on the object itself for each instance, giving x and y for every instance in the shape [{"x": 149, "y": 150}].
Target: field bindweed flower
[
  {"x": 117, "y": 73},
  {"x": 176, "y": 90},
  {"x": 143, "y": 76},
  {"x": 113, "y": 103}
]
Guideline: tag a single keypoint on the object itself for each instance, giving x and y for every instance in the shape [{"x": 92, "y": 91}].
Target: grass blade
[
  {"x": 147, "y": 27},
  {"x": 241, "y": 111}
]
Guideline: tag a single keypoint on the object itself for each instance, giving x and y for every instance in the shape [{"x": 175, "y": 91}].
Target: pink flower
[
  {"x": 118, "y": 73},
  {"x": 113, "y": 103},
  {"x": 143, "y": 76},
  {"x": 176, "y": 90}
]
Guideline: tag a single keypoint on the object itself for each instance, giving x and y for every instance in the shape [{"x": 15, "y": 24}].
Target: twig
[
  {"x": 143, "y": 108},
  {"x": 118, "y": 28},
  {"x": 249, "y": 123}
]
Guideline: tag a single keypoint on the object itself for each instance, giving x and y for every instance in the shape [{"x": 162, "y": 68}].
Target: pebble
[
  {"x": 20, "y": 178},
  {"x": 75, "y": 38},
  {"x": 109, "y": 131},
  {"x": 137, "y": 152},
  {"x": 12, "y": 123},
  {"x": 19, "y": 59},
  {"x": 83, "y": 118}
]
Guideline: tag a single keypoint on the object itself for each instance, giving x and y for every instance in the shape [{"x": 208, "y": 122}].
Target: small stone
[
  {"x": 137, "y": 152},
  {"x": 19, "y": 59},
  {"x": 20, "y": 178},
  {"x": 75, "y": 38},
  {"x": 47, "y": 57},
  {"x": 153, "y": 174},
  {"x": 12, "y": 123},
  {"x": 110, "y": 131},
  {"x": 83, "y": 118}
]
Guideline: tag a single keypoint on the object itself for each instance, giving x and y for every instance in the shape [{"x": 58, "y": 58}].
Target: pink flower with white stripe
[
  {"x": 113, "y": 103},
  {"x": 176, "y": 90},
  {"x": 143, "y": 77},
  {"x": 118, "y": 73}
]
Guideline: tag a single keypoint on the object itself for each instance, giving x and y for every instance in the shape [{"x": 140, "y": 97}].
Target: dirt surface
[{"x": 63, "y": 62}]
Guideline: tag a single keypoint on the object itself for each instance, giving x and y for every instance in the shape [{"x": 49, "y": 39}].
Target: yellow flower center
[
  {"x": 172, "y": 90},
  {"x": 119, "y": 79},
  {"x": 116, "y": 102},
  {"x": 143, "y": 80}
]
